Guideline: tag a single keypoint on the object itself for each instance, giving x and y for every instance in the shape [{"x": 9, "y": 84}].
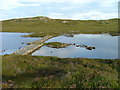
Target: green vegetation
[
  {"x": 56, "y": 44},
  {"x": 42, "y": 34},
  {"x": 28, "y": 71},
  {"x": 52, "y": 72},
  {"x": 49, "y": 26}
]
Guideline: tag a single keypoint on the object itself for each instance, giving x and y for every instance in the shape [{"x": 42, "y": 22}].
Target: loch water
[
  {"x": 11, "y": 42},
  {"x": 106, "y": 47}
]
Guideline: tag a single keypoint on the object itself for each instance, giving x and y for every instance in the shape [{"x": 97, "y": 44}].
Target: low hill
[{"x": 59, "y": 26}]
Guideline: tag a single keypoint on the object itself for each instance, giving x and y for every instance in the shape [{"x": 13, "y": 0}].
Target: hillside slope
[{"x": 59, "y": 26}]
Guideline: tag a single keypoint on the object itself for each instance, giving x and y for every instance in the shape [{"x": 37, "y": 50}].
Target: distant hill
[{"x": 52, "y": 26}]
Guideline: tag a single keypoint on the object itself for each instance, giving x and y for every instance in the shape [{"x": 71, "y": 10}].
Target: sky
[{"x": 62, "y": 9}]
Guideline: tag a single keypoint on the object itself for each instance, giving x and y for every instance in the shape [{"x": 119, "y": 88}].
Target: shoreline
[{"x": 33, "y": 46}]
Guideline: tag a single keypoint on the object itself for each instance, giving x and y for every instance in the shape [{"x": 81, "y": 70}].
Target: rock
[
  {"x": 37, "y": 79},
  {"x": 73, "y": 86},
  {"x": 89, "y": 48},
  {"x": 69, "y": 35},
  {"x": 93, "y": 47},
  {"x": 64, "y": 21},
  {"x": 80, "y": 45},
  {"x": 74, "y": 44},
  {"x": 10, "y": 81},
  {"x": 77, "y": 45},
  {"x": 11, "y": 85},
  {"x": 28, "y": 43},
  {"x": 50, "y": 77}
]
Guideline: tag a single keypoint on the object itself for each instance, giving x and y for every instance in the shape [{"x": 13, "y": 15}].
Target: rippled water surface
[
  {"x": 106, "y": 47},
  {"x": 11, "y": 42}
]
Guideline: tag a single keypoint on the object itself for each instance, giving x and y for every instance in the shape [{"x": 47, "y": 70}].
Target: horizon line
[{"x": 55, "y": 18}]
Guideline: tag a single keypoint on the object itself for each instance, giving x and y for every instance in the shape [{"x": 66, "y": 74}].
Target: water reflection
[
  {"x": 11, "y": 42},
  {"x": 106, "y": 47}
]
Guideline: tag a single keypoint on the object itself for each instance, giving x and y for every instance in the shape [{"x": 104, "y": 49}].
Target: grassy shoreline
[
  {"x": 52, "y": 72},
  {"x": 43, "y": 26}
]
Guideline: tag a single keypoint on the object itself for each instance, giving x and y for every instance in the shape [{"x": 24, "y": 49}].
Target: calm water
[
  {"x": 106, "y": 47},
  {"x": 12, "y": 42}
]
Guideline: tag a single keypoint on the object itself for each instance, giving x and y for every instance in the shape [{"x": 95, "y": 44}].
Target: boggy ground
[{"x": 52, "y": 72}]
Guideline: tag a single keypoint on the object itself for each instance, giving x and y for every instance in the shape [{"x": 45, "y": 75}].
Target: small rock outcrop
[
  {"x": 90, "y": 48},
  {"x": 64, "y": 21}
]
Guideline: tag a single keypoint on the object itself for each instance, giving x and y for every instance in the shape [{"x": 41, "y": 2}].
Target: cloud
[
  {"x": 74, "y": 1},
  {"x": 6, "y": 4},
  {"x": 84, "y": 16},
  {"x": 72, "y": 9},
  {"x": 11, "y": 4},
  {"x": 94, "y": 15},
  {"x": 57, "y": 15}
]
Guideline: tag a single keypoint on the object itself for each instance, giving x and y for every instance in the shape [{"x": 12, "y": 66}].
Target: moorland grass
[
  {"x": 42, "y": 26},
  {"x": 56, "y": 44},
  {"x": 52, "y": 72}
]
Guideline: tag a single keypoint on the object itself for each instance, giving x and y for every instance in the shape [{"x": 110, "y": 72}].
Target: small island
[
  {"x": 56, "y": 45},
  {"x": 64, "y": 45}
]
